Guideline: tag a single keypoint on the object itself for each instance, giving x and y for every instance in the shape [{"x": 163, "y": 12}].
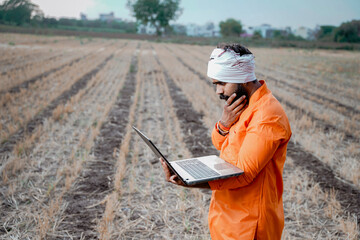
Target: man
[{"x": 252, "y": 134}]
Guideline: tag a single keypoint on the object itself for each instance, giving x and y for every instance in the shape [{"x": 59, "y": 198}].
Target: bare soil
[
  {"x": 347, "y": 195},
  {"x": 196, "y": 138},
  {"x": 8, "y": 146},
  {"x": 84, "y": 199}
]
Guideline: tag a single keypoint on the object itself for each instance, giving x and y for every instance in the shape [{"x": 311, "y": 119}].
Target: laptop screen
[{"x": 156, "y": 151}]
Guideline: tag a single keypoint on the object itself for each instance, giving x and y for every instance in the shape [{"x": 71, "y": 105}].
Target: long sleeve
[
  {"x": 217, "y": 139},
  {"x": 256, "y": 151}
]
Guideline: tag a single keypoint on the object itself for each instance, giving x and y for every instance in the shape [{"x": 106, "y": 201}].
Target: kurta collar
[{"x": 261, "y": 91}]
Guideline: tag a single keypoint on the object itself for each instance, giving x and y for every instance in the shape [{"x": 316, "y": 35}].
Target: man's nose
[{"x": 219, "y": 89}]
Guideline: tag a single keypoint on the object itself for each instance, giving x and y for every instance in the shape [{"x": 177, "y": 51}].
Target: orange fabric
[{"x": 250, "y": 206}]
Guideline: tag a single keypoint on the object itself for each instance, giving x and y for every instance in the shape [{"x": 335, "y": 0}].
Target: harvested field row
[
  {"x": 83, "y": 210},
  {"x": 336, "y": 70},
  {"x": 8, "y": 146},
  {"x": 26, "y": 62},
  {"x": 34, "y": 60},
  {"x": 32, "y": 80},
  {"x": 340, "y": 96},
  {"x": 20, "y": 107},
  {"x": 66, "y": 143},
  {"x": 148, "y": 207},
  {"x": 19, "y": 75},
  {"x": 349, "y": 111},
  {"x": 325, "y": 125}
]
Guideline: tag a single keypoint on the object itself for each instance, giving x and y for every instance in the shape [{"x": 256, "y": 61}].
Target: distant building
[
  {"x": 146, "y": 29},
  {"x": 249, "y": 30},
  {"x": 304, "y": 32},
  {"x": 179, "y": 29},
  {"x": 107, "y": 17},
  {"x": 265, "y": 30},
  {"x": 83, "y": 17},
  {"x": 207, "y": 30}
]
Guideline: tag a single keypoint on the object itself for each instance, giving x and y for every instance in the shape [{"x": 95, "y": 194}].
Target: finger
[
  {"x": 230, "y": 99},
  {"x": 173, "y": 179},
  {"x": 237, "y": 102},
  {"x": 240, "y": 111},
  {"x": 240, "y": 100},
  {"x": 240, "y": 106},
  {"x": 166, "y": 169}
]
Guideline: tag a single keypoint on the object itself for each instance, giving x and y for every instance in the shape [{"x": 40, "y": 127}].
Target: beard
[{"x": 240, "y": 91}]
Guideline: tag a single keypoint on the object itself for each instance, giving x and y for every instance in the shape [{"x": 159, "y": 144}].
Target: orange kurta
[{"x": 250, "y": 206}]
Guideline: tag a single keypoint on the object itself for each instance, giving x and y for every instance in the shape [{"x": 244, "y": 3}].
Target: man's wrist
[
  {"x": 222, "y": 132},
  {"x": 224, "y": 126}
]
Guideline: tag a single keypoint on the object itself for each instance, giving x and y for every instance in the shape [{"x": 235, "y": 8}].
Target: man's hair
[{"x": 236, "y": 47}]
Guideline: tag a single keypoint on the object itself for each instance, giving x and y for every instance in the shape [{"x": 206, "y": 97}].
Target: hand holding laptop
[
  {"x": 173, "y": 178},
  {"x": 195, "y": 172},
  {"x": 169, "y": 176}
]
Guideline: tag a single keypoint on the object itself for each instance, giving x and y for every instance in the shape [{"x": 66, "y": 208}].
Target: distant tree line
[
  {"x": 346, "y": 32},
  {"x": 128, "y": 27},
  {"x": 25, "y": 13}
]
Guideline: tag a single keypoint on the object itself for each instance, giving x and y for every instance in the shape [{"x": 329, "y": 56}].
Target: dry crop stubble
[
  {"x": 317, "y": 69},
  {"x": 97, "y": 96},
  {"x": 21, "y": 74},
  {"x": 308, "y": 207},
  {"x": 30, "y": 101},
  {"x": 334, "y": 152},
  {"x": 77, "y": 85},
  {"x": 34, "y": 41},
  {"x": 154, "y": 209},
  {"x": 35, "y": 60},
  {"x": 25, "y": 144},
  {"x": 106, "y": 225},
  {"x": 19, "y": 77},
  {"x": 84, "y": 201}
]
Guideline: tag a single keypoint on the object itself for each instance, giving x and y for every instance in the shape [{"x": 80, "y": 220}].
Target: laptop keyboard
[{"x": 197, "y": 169}]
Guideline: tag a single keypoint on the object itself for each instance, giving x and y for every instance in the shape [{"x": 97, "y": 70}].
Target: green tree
[
  {"x": 348, "y": 32},
  {"x": 230, "y": 27},
  {"x": 257, "y": 35},
  {"x": 18, "y": 11},
  {"x": 156, "y": 12},
  {"x": 325, "y": 33}
]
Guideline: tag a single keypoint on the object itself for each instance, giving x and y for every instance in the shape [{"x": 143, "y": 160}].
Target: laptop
[{"x": 196, "y": 170}]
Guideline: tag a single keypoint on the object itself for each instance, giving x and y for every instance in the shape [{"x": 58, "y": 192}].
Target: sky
[{"x": 277, "y": 13}]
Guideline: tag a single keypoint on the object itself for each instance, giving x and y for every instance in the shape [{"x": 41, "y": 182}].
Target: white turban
[{"x": 229, "y": 66}]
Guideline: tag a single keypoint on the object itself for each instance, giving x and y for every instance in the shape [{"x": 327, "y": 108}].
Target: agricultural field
[{"x": 71, "y": 166}]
